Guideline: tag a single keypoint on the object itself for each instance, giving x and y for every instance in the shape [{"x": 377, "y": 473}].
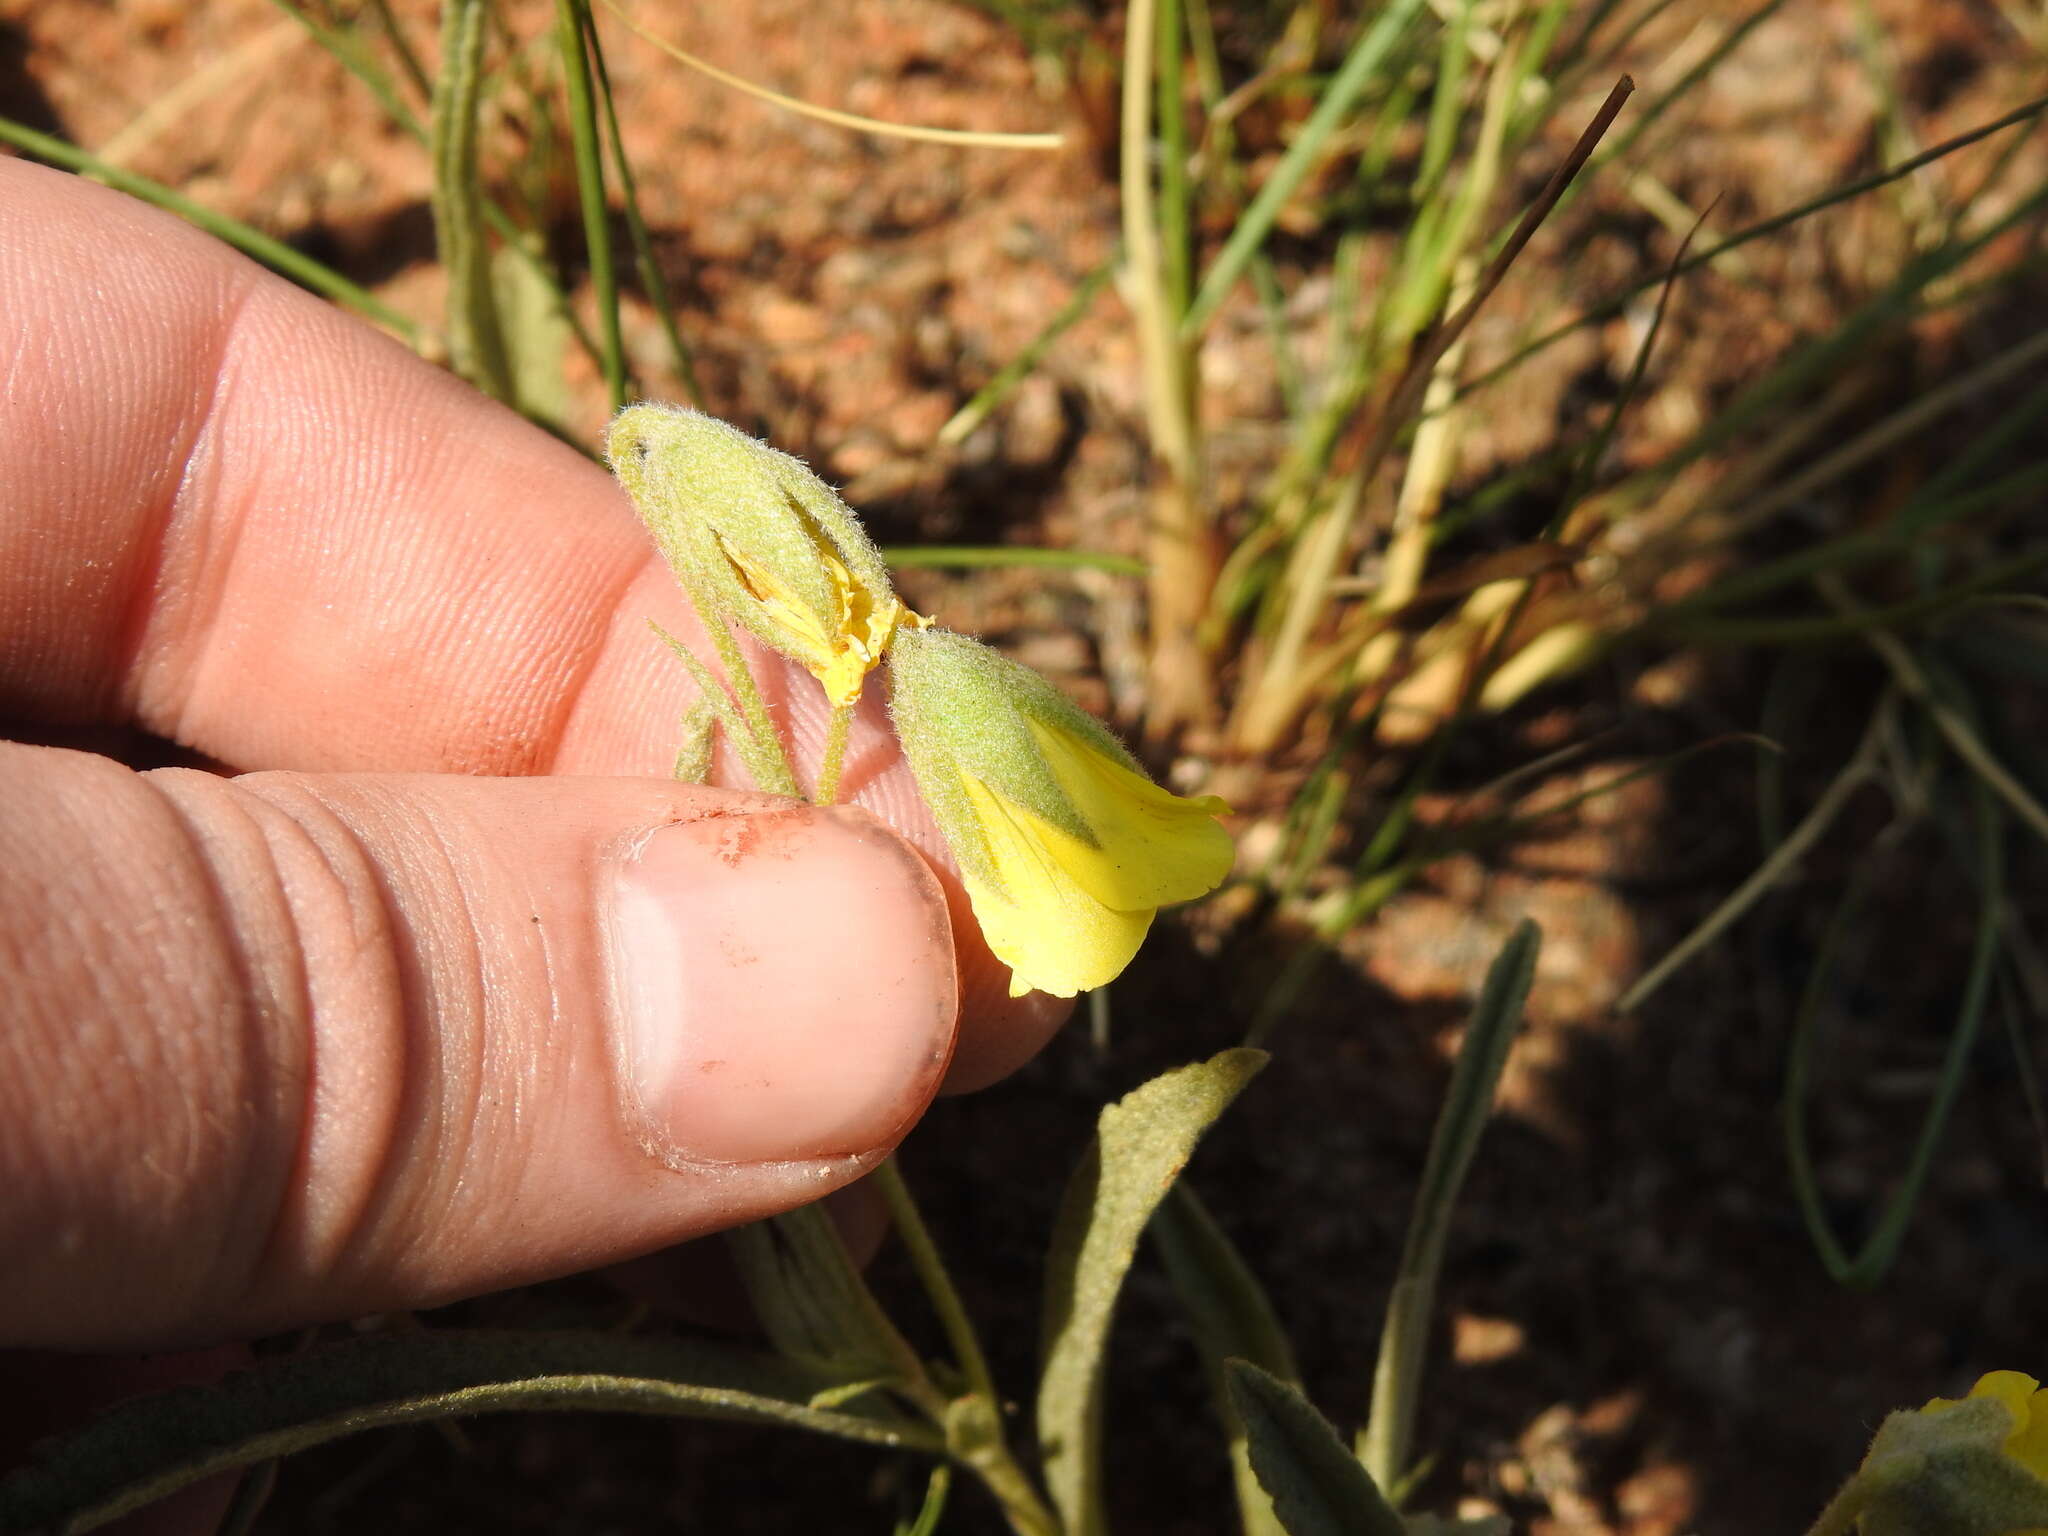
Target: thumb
[{"x": 295, "y": 1046}]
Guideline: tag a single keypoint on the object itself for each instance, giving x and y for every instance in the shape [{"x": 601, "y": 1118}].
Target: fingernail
[{"x": 784, "y": 985}]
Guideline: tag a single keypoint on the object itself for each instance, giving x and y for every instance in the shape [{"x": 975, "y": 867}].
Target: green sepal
[
  {"x": 1946, "y": 1472},
  {"x": 704, "y": 487},
  {"x": 960, "y": 707},
  {"x": 699, "y": 730},
  {"x": 763, "y": 760}
]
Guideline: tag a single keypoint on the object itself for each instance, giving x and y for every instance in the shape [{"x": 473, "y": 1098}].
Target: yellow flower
[
  {"x": 1065, "y": 847},
  {"x": 2027, "y": 1401},
  {"x": 1972, "y": 1466},
  {"x": 756, "y": 537},
  {"x": 840, "y": 646}
]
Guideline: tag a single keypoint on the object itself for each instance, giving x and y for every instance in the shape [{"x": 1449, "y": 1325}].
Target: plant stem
[
  {"x": 936, "y": 1280},
  {"x": 1783, "y": 857},
  {"x": 768, "y": 761},
  {"x": 989, "y": 1457},
  {"x": 834, "y": 757},
  {"x": 652, "y": 282},
  {"x": 1022, "y": 1506},
  {"x": 476, "y": 338},
  {"x": 1182, "y": 571}
]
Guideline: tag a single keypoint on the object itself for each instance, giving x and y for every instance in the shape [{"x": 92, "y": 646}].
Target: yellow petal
[
  {"x": 839, "y": 650},
  {"x": 2029, "y": 1446},
  {"x": 790, "y": 615},
  {"x": 1155, "y": 847},
  {"x": 2028, "y": 1404},
  {"x": 1053, "y": 934}
]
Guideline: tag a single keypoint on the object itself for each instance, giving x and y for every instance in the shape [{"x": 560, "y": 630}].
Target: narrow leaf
[
  {"x": 1227, "y": 1306},
  {"x": 537, "y": 336},
  {"x": 1316, "y": 1484},
  {"x": 963, "y": 557},
  {"x": 475, "y": 340},
  {"x": 573, "y": 39},
  {"x": 1870, "y": 1262},
  {"x": 151, "y": 1446},
  {"x": 1360, "y": 68},
  {"x": 1141, "y": 1144},
  {"x": 812, "y": 1301},
  {"x": 1231, "y": 1318},
  {"x": 699, "y": 734},
  {"x": 1468, "y": 1106}
]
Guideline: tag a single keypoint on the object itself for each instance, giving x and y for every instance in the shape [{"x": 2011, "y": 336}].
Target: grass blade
[
  {"x": 1011, "y": 374},
  {"x": 652, "y": 282},
  {"x": 1618, "y": 303},
  {"x": 348, "y": 48},
  {"x": 572, "y": 40},
  {"x": 1870, "y": 1262},
  {"x": 1360, "y": 66},
  {"x": 1961, "y": 735},
  {"x": 969, "y": 557},
  {"x": 1233, "y": 1322},
  {"x": 247, "y": 239},
  {"x": 960, "y": 136},
  {"x": 1468, "y": 1105},
  {"x": 1783, "y": 857}
]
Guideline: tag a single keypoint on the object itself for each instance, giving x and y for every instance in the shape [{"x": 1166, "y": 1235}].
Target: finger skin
[
  {"x": 292, "y": 1047},
  {"x": 247, "y": 523}
]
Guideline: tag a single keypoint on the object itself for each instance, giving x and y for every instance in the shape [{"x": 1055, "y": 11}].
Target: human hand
[{"x": 437, "y": 1002}]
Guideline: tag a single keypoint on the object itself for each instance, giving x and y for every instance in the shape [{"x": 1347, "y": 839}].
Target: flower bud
[
  {"x": 1973, "y": 1467},
  {"x": 1065, "y": 847},
  {"x": 756, "y": 537}
]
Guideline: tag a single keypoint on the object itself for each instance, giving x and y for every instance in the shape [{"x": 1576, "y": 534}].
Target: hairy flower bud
[
  {"x": 756, "y": 537},
  {"x": 1977, "y": 1466},
  {"x": 1066, "y": 848}
]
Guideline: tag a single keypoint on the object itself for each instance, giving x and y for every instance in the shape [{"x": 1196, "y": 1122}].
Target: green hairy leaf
[
  {"x": 1141, "y": 1144},
  {"x": 151, "y": 1446},
  {"x": 1232, "y": 1318},
  {"x": 1317, "y": 1486},
  {"x": 474, "y": 336}
]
